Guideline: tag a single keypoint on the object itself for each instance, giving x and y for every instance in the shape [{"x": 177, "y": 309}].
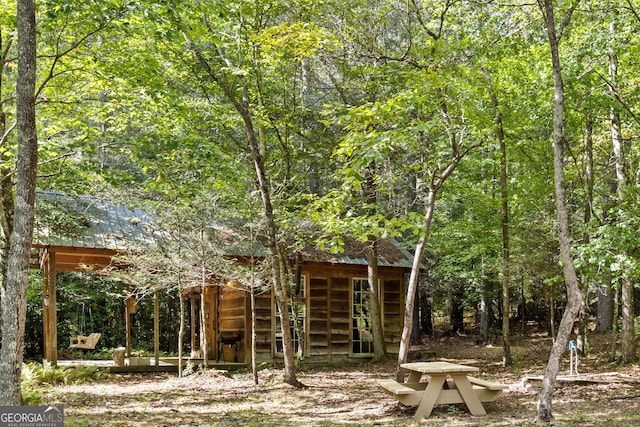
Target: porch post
[
  {"x": 127, "y": 322},
  {"x": 49, "y": 310},
  {"x": 156, "y": 327},
  {"x": 193, "y": 326}
]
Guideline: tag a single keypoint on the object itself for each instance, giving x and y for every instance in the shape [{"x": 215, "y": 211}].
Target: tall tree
[
  {"x": 228, "y": 75},
  {"x": 505, "y": 275},
  {"x": 14, "y": 291},
  {"x": 628, "y": 339},
  {"x": 574, "y": 295}
]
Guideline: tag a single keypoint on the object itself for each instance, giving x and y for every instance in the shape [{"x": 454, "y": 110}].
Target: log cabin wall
[
  {"x": 210, "y": 309},
  {"x": 264, "y": 334},
  {"x": 329, "y": 308},
  {"x": 318, "y": 334},
  {"x": 392, "y": 302},
  {"x": 328, "y": 314},
  {"x": 340, "y": 316},
  {"x": 233, "y": 315}
]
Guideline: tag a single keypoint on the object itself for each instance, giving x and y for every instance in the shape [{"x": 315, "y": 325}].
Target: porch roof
[{"x": 87, "y": 230}]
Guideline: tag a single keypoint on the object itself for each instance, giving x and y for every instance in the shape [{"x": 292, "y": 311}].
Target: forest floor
[{"x": 350, "y": 395}]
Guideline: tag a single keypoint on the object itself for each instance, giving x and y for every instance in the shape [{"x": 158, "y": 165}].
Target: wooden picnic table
[{"x": 448, "y": 383}]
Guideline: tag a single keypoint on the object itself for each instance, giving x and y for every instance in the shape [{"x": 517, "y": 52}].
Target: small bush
[{"x": 35, "y": 377}]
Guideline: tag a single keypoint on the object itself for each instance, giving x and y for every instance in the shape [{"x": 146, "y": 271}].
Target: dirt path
[{"x": 348, "y": 395}]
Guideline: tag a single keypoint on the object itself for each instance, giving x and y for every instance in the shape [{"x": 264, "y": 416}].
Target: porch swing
[{"x": 85, "y": 342}]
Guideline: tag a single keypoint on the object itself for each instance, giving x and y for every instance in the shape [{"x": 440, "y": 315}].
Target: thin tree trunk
[
  {"x": 403, "y": 352},
  {"x": 484, "y": 308},
  {"x": 426, "y": 311},
  {"x": 180, "y": 333},
  {"x": 437, "y": 179},
  {"x": 204, "y": 330},
  {"x": 254, "y": 364},
  {"x": 242, "y": 106},
  {"x": 505, "y": 276},
  {"x": 628, "y": 350},
  {"x": 552, "y": 311},
  {"x": 14, "y": 291},
  {"x": 6, "y": 183},
  {"x": 574, "y": 296},
  {"x": 377, "y": 330},
  {"x": 379, "y": 348},
  {"x": 456, "y": 316},
  {"x": 583, "y": 326},
  {"x": 614, "y": 325}
]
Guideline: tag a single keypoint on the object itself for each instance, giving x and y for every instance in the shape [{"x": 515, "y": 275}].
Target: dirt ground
[{"x": 350, "y": 396}]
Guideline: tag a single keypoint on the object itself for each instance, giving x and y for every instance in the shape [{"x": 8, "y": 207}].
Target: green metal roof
[
  {"x": 99, "y": 223},
  {"x": 90, "y": 222}
]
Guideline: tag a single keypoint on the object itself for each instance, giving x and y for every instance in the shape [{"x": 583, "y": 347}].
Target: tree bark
[
  {"x": 574, "y": 296},
  {"x": 180, "y": 331},
  {"x": 604, "y": 315},
  {"x": 377, "y": 330},
  {"x": 505, "y": 276},
  {"x": 628, "y": 350},
  {"x": 241, "y": 103},
  {"x": 6, "y": 182},
  {"x": 456, "y": 317},
  {"x": 484, "y": 312},
  {"x": 379, "y": 347},
  {"x": 426, "y": 312},
  {"x": 438, "y": 177},
  {"x": 14, "y": 291}
]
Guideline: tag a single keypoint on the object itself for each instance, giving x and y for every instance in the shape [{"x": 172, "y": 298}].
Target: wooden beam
[
  {"x": 127, "y": 322},
  {"x": 193, "y": 326},
  {"x": 156, "y": 327},
  {"x": 49, "y": 309}
]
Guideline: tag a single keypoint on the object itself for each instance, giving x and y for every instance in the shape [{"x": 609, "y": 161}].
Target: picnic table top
[{"x": 438, "y": 367}]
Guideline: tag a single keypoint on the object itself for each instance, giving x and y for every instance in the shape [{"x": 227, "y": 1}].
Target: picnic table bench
[{"x": 449, "y": 383}]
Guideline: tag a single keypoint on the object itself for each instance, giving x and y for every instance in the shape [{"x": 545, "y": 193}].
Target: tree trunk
[
  {"x": 6, "y": 183},
  {"x": 437, "y": 179},
  {"x": 628, "y": 350},
  {"x": 204, "y": 330},
  {"x": 426, "y": 311},
  {"x": 14, "y": 291},
  {"x": 574, "y": 296},
  {"x": 604, "y": 315},
  {"x": 583, "y": 327},
  {"x": 614, "y": 325},
  {"x": 379, "y": 347},
  {"x": 552, "y": 311},
  {"x": 456, "y": 316},
  {"x": 377, "y": 330},
  {"x": 504, "y": 198},
  {"x": 180, "y": 332},
  {"x": 257, "y": 150},
  {"x": 484, "y": 312},
  {"x": 403, "y": 352}
]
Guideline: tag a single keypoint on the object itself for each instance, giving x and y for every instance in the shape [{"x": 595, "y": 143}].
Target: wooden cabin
[
  {"x": 332, "y": 303},
  {"x": 332, "y": 300}
]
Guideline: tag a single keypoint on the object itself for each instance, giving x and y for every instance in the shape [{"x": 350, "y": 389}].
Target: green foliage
[{"x": 37, "y": 377}]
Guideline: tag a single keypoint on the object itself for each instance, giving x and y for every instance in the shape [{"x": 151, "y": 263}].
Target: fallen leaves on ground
[{"x": 349, "y": 395}]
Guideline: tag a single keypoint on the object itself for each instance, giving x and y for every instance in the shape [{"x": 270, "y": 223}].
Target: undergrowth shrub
[{"x": 36, "y": 377}]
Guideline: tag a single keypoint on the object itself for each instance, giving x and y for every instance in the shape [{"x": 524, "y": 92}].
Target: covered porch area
[{"x": 90, "y": 236}]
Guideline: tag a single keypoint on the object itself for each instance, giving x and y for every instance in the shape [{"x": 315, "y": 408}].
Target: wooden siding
[
  {"x": 392, "y": 309},
  {"x": 318, "y": 317},
  {"x": 264, "y": 327},
  {"x": 233, "y": 315},
  {"x": 328, "y": 314},
  {"x": 340, "y": 315}
]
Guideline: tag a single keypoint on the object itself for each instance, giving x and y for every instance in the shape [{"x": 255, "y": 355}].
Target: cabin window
[
  {"x": 299, "y": 315},
  {"x": 362, "y": 338}
]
